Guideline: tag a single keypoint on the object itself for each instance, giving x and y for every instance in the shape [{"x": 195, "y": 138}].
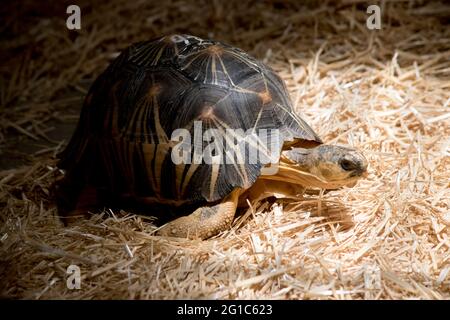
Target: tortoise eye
[{"x": 347, "y": 165}]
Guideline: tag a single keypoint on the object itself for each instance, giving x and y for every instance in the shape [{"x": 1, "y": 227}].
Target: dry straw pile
[{"x": 383, "y": 91}]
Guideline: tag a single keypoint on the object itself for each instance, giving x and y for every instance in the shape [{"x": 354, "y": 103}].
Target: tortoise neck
[
  {"x": 298, "y": 156},
  {"x": 294, "y": 167}
]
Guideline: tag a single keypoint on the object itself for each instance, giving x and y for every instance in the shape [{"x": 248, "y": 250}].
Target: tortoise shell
[{"x": 123, "y": 141}]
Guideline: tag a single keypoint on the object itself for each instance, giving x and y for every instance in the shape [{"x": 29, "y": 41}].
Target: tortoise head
[{"x": 333, "y": 166}]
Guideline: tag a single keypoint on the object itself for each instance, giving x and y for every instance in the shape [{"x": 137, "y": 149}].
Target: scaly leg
[{"x": 204, "y": 222}]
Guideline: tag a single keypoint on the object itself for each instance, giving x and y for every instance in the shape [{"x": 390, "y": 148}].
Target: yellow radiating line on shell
[
  {"x": 223, "y": 124},
  {"x": 214, "y": 174},
  {"x": 129, "y": 162},
  {"x": 196, "y": 56},
  {"x": 257, "y": 119},
  {"x": 179, "y": 169},
  {"x": 300, "y": 122},
  {"x": 192, "y": 168},
  {"x": 226, "y": 71},
  {"x": 136, "y": 119},
  {"x": 247, "y": 62},
  {"x": 213, "y": 69},
  {"x": 111, "y": 115},
  {"x": 242, "y": 172},
  {"x": 148, "y": 150},
  {"x": 158, "y": 55},
  {"x": 162, "y": 145}
]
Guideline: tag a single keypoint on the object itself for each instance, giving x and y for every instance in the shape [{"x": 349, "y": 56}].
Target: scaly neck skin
[
  {"x": 299, "y": 157},
  {"x": 295, "y": 167},
  {"x": 320, "y": 167},
  {"x": 298, "y": 173}
]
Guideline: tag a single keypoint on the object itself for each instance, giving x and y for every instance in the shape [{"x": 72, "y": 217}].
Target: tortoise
[{"x": 177, "y": 90}]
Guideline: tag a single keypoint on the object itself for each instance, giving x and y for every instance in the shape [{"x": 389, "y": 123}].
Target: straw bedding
[{"x": 384, "y": 91}]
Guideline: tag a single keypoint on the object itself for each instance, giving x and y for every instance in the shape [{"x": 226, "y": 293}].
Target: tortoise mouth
[
  {"x": 352, "y": 182},
  {"x": 359, "y": 174}
]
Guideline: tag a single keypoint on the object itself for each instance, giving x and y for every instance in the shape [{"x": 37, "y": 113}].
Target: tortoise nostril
[{"x": 347, "y": 165}]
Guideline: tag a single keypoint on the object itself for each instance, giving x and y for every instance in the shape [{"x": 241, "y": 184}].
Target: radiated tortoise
[{"x": 184, "y": 121}]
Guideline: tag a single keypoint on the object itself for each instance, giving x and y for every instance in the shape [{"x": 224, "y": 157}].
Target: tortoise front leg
[{"x": 204, "y": 222}]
